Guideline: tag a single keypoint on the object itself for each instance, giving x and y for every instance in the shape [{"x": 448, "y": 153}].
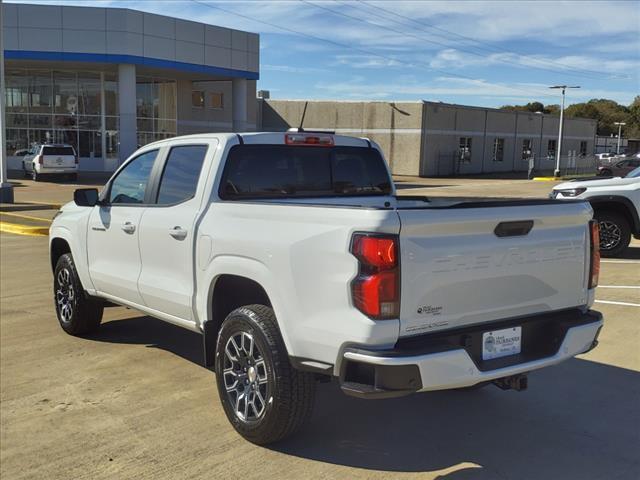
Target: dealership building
[{"x": 107, "y": 80}]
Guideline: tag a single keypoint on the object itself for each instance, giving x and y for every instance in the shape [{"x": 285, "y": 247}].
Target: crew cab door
[
  {"x": 112, "y": 239},
  {"x": 167, "y": 240}
]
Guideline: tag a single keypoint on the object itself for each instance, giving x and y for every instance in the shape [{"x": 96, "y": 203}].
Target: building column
[
  {"x": 239, "y": 104},
  {"x": 127, "y": 131},
  {"x": 6, "y": 188}
]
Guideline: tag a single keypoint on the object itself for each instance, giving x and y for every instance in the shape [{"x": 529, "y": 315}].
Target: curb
[{"x": 24, "y": 230}]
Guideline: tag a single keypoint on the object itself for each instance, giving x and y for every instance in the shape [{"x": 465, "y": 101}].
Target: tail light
[
  {"x": 594, "y": 267},
  {"x": 376, "y": 289},
  {"x": 307, "y": 139},
  {"x": 40, "y": 159}
]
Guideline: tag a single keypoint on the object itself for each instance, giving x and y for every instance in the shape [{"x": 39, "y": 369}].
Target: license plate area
[{"x": 501, "y": 343}]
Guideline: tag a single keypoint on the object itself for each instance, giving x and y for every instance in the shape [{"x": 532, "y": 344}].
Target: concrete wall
[
  {"x": 396, "y": 127},
  {"x": 206, "y": 119}
]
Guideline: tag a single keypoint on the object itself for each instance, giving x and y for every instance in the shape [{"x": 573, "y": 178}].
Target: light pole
[
  {"x": 620, "y": 124},
  {"x": 556, "y": 172}
]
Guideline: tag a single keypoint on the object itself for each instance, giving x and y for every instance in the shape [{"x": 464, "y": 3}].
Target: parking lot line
[
  {"x": 621, "y": 261},
  {"x": 23, "y": 230},
  {"x": 26, "y": 217},
  {"x": 625, "y": 304},
  {"x": 618, "y": 286}
]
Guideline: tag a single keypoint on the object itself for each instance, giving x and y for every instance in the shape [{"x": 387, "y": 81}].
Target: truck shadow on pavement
[
  {"x": 631, "y": 253},
  {"x": 578, "y": 420}
]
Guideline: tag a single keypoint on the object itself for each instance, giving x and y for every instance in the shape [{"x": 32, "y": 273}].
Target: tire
[
  {"x": 72, "y": 177},
  {"x": 615, "y": 232},
  {"x": 35, "y": 176},
  {"x": 77, "y": 313},
  {"x": 276, "y": 400},
  {"x": 606, "y": 173}
]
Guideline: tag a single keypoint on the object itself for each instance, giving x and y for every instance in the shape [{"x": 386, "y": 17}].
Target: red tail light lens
[
  {"x": 376, "y": 289},
  {"x": 594, "y": 270}
]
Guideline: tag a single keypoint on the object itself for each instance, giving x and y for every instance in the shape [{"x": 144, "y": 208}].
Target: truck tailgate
[{"x": 457, "y": 271}]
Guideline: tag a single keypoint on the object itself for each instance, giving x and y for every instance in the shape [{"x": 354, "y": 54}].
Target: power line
[
  {"x": 423, "y": 39},
  {"x": 358, "y": 49},
  {"x": 491, "y": 49}
]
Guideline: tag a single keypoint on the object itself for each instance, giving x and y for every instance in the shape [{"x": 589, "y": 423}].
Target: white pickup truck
[{"x": 292, "y": 255}]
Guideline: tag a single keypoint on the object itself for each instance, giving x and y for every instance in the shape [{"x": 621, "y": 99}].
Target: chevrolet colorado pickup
[{"x": 294, "y": 258}]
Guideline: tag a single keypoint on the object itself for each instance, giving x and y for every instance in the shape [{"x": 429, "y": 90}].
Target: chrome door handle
[
  {"x": 99, "y": 229},
  {"x": 128, "y": 227},
  {"x": 178, "y": 233}
]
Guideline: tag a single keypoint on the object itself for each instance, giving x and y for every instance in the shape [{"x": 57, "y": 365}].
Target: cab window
[
  {"x": 130, "y": 186},
  {"x": 181, "y": 173}
]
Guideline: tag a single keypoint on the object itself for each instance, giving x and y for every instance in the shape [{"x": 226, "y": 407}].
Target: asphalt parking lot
[{"x": 133, "y": 400}]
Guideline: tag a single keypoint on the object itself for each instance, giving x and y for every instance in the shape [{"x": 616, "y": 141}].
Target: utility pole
[
  {"x": 6, "y": 189},
  {"x": 556, "y": 172},
  {"x": 620, "y": 124}
]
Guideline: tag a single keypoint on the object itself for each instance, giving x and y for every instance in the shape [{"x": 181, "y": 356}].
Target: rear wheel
[
  {"x": 606, "y": 173},
  {"x": 263, "y": 396},
  {"x": 35, "y": 176},
  {"x": 77, "y": 312},
  {"x": 615, "y": 233}
]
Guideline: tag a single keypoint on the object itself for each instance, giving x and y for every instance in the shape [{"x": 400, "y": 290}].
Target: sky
[{"x": 484, "y": 53}]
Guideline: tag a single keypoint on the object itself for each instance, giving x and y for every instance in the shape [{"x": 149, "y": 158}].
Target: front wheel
[
  {"x": 77, "y": 313},
  {"x": 263, "y": 396},
  {"x": 615, "y": 233}
]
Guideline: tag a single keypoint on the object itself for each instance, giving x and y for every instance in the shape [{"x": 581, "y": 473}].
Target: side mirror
[{"x": 86, "y": 197}]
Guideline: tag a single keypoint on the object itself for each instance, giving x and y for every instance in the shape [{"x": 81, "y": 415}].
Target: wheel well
[
  {"x": 616, "y": 207},
  {"x": 58, "y": 248},
  {"x": 231, "y": 292}
]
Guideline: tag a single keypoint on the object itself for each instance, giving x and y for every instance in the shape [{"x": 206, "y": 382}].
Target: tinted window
[
  {"x": 181, "y": 174},
  {"x": 279, "y": 171},
  {"x": 58, "y": 151},
  {"x": 131, "y": 183}
]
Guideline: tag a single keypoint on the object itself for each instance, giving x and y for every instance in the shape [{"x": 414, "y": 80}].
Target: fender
[
  {"x": 244, "y": 267},
  {"x": 630, "y": 207},
  {"x": 79, "y": 254}
]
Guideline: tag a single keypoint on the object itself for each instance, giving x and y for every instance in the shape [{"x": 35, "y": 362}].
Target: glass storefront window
[
  {"x": 156, "y": 101},
  {"x": 89, "y": 94},
  {"x": 16, "y": 91},
  {"x": 110, "y": 95},
  {"x": 40, "y": 92},
  {"x": 17, "y": 139},
  {"x": 89, "y": 144},
  {"x": 65, "y": 86}
]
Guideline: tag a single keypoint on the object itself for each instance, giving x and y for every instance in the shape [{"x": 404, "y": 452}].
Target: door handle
[
  {"x": 99, "y": 229},
  {"x": 128, "y": 227},
  {"x": 178, "y": 233}
]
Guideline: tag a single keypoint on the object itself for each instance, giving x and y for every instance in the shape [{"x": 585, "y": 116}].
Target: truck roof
[{"x": 274, "y": 138}]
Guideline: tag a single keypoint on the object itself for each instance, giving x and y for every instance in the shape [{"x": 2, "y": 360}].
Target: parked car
[
  {"x": 295, "y": 259},
  {"x": 619, "y": 169},
  {"x": 616, "y": 207},
  {"x": 49, "y": 160},
  {"x": 21, "y": 152}
]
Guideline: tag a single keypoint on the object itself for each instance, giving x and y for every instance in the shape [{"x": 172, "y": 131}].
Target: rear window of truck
[
  {"x": 58, "y": 151},
  {"x": 285, "y": 171}
]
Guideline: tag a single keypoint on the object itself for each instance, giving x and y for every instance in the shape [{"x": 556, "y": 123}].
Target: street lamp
[
  {"x": 620, "y": 124},
  {"x": 556, "y": 172}
]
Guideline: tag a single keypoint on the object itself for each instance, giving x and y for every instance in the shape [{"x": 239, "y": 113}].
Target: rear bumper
[
  {"x": 56, "y": 170},
  {"x": 453, "y": 360}
]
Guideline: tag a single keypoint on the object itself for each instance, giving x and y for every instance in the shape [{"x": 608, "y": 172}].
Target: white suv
[{"x": 51, "y": 159}]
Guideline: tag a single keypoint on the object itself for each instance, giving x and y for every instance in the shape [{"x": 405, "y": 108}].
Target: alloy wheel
[
  {"x": 245, "y": 377},
  {"x": 610, "y": 235},
  {"x": 65, "y": 295}
]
